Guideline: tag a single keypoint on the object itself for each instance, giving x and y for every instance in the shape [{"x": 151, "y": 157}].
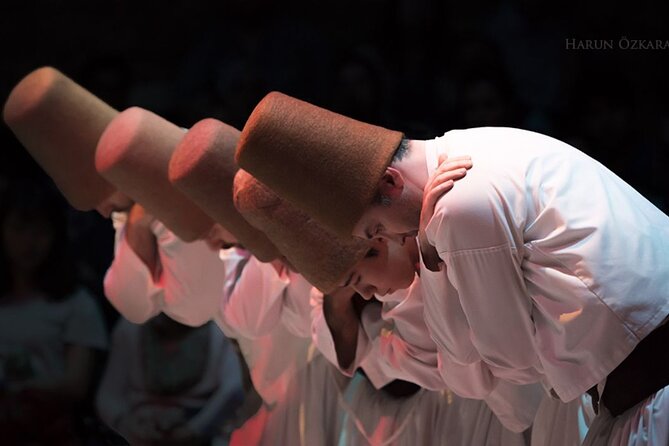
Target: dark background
[{"x": 419, "y": 66}]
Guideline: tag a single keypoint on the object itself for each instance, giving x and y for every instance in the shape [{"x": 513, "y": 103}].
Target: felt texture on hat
[
  {"x": 203, "y": 168},
  {"x": 325, "y": 163},
  {"x": 134, "y": 154},
  {"x": 321, "y": 256},
  {"x": 60, "y": 123}
]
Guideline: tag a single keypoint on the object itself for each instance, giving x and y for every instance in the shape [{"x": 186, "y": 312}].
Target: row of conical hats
[{"x": 188, "y": 179}]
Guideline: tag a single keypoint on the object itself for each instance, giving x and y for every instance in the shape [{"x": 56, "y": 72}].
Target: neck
[{"x": 413, "y": 166}]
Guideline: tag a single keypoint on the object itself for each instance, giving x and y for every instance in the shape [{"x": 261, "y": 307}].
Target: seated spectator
[
  {"x": 50, "y": 327},
  {"x": 169, "y": 384}
]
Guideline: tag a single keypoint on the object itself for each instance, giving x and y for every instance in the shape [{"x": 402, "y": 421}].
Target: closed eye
[{"x": 373, "y": 233}]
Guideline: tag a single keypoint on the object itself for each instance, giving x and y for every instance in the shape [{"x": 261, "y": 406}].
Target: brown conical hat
[
  {"x": 59, "y": 123},
  {"x": 321, "y": 256},
  {"x": 203, "y": 168},
  {"x": 325, "y": 163},
  {"x": 134, "y": 154}
]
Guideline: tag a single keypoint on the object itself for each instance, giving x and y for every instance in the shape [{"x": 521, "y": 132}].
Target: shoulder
[
  {"x": 125, "y": 330},
  {"x": 482, "y": 210},
  {"x": 83, "y": 299}
]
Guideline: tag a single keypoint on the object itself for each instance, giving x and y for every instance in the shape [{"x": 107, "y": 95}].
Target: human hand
[
  {"x": 139, "y": 218},
  {"x": 343, "y": 321},
  {"x": 170, "y": 418},
  {"x": 140, "y": 237},
  {"x": 439, "y": 183},
  {"x": 139, "y": 428},
  {"x": 338, "y": 301}
]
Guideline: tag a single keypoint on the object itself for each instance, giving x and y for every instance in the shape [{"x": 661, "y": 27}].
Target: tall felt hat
[
  {"x": 59, "y": 123},
  {"x": 134, "y": 154},
  {"x": 321, "y": 256},
  {"x": 327, "y": 164},
  {"x": 203, "y": 168}
]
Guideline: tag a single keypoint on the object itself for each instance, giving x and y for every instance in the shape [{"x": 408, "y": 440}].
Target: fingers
[
  {"x": 443, "y": 158},
  {"x": 448, "y": 175},
  {"x": 441, "y": 181},
  {"x": 433, "y": 195},
  {"x": 454, "y": 164},
  {"x": 442, "y": 177},
  {"x": 438, "y": 190},
  {"x": 139, "y": 216},
  {"x": 439, "y": 184}
]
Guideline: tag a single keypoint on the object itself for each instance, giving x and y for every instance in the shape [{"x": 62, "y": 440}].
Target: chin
[
  {"x": 408, "y": 278},
  {"x": 387, "y": 298},
  {"x": 214, "y": 245}
]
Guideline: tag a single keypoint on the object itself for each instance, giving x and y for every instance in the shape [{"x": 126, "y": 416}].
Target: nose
[
  {"x": 214, "y": 245},
  {"x": 105, "y": 210}
]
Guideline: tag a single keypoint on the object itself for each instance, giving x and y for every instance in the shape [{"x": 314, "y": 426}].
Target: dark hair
[
  {"x": 33, "y": 200},
  {"x": 400, "y": 152}
]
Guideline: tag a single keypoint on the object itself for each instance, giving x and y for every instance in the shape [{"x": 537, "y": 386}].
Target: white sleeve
[
  {"x": 405, "y": 344},
  {"x": 461, "y": 366},
  {"x": 513, "y": 404},
  {"x": 296, "y": 310},
  {"x": 485, "y": 331},
  {"x": 192, "y": 276},
  {"x": 253, "y": 299},
  {"x": 484, "y": 306},
  {"x": 129, "y": 284},
  {"x": 482, "y": 258}
]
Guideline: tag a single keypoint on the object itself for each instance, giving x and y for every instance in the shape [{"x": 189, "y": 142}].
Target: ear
[{"x": 391, "y": 183}]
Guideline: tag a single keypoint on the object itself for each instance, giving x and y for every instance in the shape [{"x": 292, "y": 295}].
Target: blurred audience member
[
  {"x": 50, "y": 327},
  {"x": 170, "y": 384}
]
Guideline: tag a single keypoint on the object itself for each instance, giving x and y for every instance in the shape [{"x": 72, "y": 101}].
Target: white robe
[
  {"x": 250, "y": 302},
  {"x": 393, "y": 343},
  {"x": 554, "y": 268},
  {"x": 299, "y": 389},
  {"x": 187, "y": 287}
]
